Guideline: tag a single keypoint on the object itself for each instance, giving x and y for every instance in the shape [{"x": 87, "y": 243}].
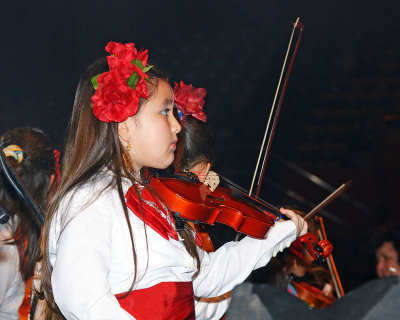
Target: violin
[
  {"x": 310, "y": 294},
  {"x": 193, "y": 201},
  {"x": 318, "y": 249},
  {"x": 313, "y": 296},
  {"x": 307, "y": 292}
]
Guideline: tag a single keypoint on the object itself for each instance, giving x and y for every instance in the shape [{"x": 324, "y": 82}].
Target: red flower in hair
[
  {"x": 190, "y": 100},
  {"x": 122, "y": 65},
  {"x": 114, "y": 99},
  {"x": 127, "y": 59},
  {"x": 126, "y": 52},
  {"x": 57, "y": 155},
  {"x": 119, "y": 90}
]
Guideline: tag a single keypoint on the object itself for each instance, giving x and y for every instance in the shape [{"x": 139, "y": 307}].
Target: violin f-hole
[{"x": 215, "y": 198}]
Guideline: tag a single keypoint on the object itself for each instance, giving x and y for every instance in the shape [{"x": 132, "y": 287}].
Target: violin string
[
  {"x": 200, "y": 174},
  {"x": 246, "y": 192},
  {"x": 233, "y": 184}
]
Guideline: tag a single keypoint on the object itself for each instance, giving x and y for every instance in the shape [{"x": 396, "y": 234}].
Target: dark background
[{"x": 340, "y": 117}]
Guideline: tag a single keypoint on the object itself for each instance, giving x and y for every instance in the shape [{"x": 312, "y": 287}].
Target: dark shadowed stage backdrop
[{"x": 340, "y": 117}]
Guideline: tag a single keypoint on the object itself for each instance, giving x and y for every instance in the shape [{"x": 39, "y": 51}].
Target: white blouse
[{"x": 91, "y": 254}]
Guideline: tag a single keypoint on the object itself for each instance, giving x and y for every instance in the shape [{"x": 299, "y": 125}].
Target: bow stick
[
  {"x": 299, "y": 25},
  {"x": 328, "y": 199}
]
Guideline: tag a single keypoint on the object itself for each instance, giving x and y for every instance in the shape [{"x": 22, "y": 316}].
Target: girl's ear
[
  {"x": 123, "y": 131},
  {"x": 207, "y": 168}
]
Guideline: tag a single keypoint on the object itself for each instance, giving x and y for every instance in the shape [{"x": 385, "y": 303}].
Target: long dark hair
[
  {"x": 91, "y": 146},
  {"x": 36, "y": 169}
]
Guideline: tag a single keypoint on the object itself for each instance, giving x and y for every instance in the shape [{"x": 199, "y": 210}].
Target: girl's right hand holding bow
[{"x": 301, "y": 224}]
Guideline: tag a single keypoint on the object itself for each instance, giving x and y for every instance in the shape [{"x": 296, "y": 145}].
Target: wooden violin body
[
  {"x": 195, "y": 202},
  {"x": 313, "y": 296}
]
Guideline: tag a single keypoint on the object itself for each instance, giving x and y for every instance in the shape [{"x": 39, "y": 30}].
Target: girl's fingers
[
  {"x": 300, "y": 223},
  {"x": 289, "y": 213},
  {"x": 305, "y": 229}
]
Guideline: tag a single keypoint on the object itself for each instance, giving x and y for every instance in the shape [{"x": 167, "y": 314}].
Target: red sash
[{"x": 164, "y": 301}]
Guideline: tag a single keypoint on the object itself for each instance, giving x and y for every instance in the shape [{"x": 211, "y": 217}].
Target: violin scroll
[
  {"x": 319, "y": 250},
  {"x": 326, "y": 246}
]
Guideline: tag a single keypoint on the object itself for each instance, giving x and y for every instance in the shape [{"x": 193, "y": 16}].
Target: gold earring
[{"x": 128, "y": 147}]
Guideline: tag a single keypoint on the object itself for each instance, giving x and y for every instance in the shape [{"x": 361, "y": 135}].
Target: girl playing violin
[{"x": 111, "y": 247}]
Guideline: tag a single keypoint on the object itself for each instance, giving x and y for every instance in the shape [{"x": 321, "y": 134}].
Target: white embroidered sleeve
[{"x": 232, "y": 263}]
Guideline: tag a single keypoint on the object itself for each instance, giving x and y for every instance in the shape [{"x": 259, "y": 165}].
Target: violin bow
[
  {"x": 319, "y": 182},
  {"x": 299, "y": 198},
  {"x": 329, "y": 199},
  {"x": 296, "y": 25}
]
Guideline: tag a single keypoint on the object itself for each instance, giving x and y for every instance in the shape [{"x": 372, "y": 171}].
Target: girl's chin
[{"x": 164, "y": 165}]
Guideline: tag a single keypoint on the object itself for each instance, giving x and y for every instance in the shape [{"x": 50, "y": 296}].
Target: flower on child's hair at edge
[
  {"x": 190, "y": 100},
  {"x": 118, "y": 91}
]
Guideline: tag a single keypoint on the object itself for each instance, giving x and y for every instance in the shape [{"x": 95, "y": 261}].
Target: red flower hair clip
[
  {"x": 57, "y": 155},
  {"x": 190, "y": 100},
  {"x": 118, "y": 91}
]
